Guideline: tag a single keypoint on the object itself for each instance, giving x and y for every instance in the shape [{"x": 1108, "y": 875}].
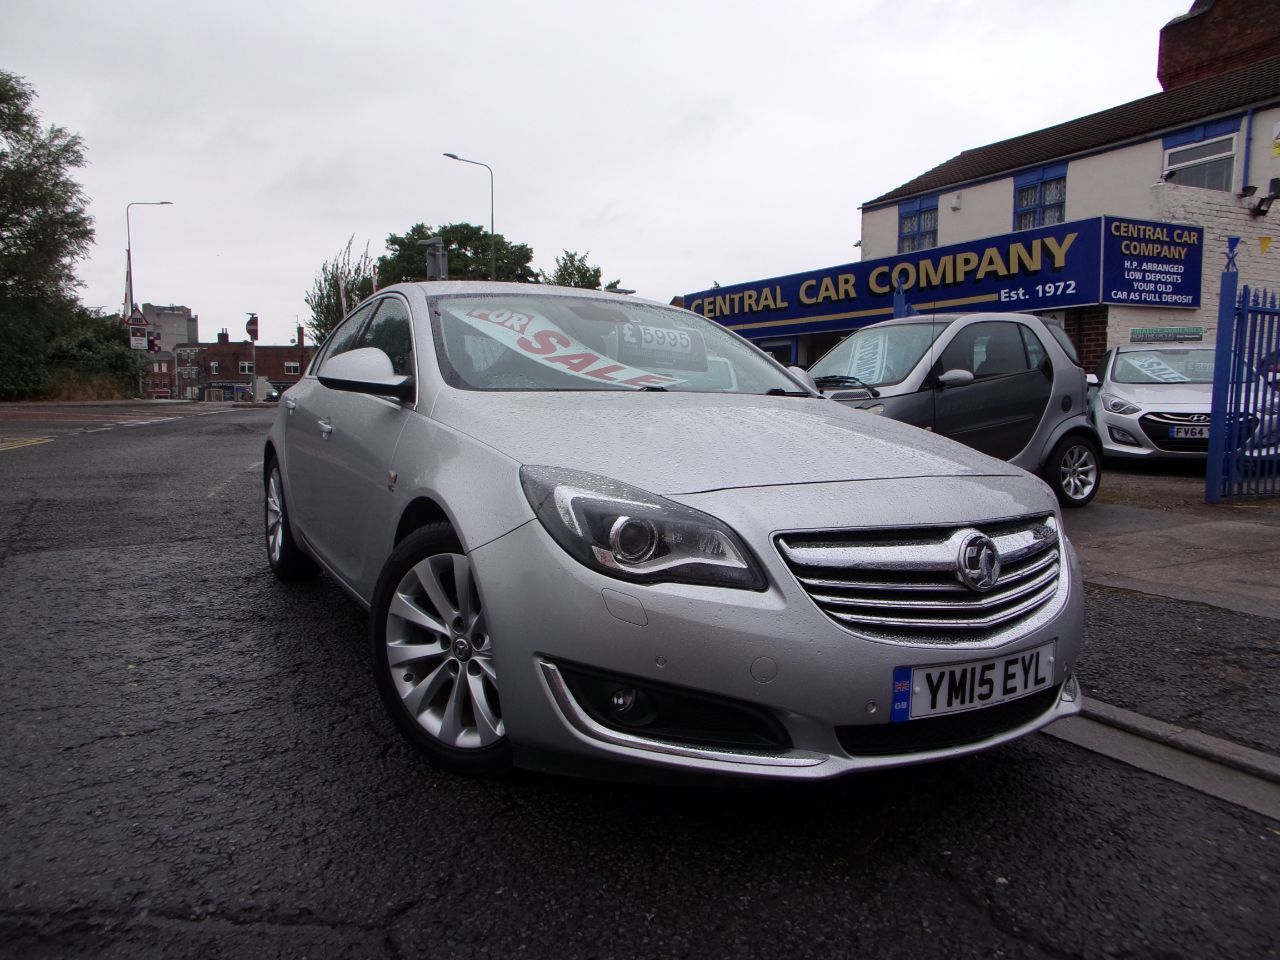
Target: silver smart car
[
  {"x": 1007, "y": 384},
  {"x": 595, "y": 531}
]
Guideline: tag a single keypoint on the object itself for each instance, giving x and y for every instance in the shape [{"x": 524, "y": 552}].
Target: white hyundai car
[
  {"x": 595, "y": 531},
  {"x": 1154, "y": 400}
]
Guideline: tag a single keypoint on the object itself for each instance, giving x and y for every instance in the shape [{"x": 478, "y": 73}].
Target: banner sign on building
[
  {"x": 1046, "y": 268},
  {"x": 1147, "y": 264}
]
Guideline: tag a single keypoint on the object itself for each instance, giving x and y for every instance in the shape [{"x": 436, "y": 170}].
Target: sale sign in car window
[{"x": 536, "y": 337}]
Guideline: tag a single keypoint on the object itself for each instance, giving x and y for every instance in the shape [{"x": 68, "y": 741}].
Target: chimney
[
  {"x": 301, "y": 342},
  {"x": 223, "y": 336}
]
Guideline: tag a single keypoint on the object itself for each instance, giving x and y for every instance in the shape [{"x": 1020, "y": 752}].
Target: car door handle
[
  {"x": 326, "y": 428},
  {"x": 290, "y": 403}
]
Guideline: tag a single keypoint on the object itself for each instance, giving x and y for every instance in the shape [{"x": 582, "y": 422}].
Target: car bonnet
[{"x": 687, "y": 443}]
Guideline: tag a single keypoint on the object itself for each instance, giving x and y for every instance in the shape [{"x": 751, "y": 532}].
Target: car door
[
  {"x": 999, "y": 411},
  {"x": 361, "y": 437},
  {"x": 307, "y": 425}
]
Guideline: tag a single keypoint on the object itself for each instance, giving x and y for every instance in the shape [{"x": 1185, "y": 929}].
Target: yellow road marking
[{"x": 24, "y": 442}]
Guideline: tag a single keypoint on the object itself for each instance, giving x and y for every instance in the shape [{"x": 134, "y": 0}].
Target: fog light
[
  {"x": 631, "y": 707},
  {"x": 1123, "y": 436}
]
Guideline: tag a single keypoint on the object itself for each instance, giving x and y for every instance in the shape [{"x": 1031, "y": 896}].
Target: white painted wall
[{"x": 1126, "y": 182}]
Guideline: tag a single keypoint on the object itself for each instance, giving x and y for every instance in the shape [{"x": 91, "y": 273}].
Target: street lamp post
[
  {"x": 493, "y": 239},
  {"x": 128, "y": 252}
]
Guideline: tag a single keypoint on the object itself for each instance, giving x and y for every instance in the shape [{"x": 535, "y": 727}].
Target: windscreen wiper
[
  {"x": 779, "y": 392},
  {"x": 838, "y": 380}
]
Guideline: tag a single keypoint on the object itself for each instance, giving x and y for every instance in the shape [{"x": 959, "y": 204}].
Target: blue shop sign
[
  {"x": 1047, "y": 268},
  {"x": 1149, "y": 264}
]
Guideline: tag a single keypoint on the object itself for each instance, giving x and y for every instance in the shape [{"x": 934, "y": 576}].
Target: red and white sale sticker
[{"x": 534, "y": 336}]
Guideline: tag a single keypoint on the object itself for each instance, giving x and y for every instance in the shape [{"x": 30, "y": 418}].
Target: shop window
[
  {"x": 246, "y": 366},
  {"x": 782, "y": 349},
  {"x": 918, "y": 225},
  {"x": 1040, "y": 197},
  {"x": 291, "y": 368}
]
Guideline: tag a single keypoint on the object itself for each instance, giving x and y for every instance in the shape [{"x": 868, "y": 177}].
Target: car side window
[
  {"x": 344, "y": 337},
  {"x": 390, "y": 333},
  {"x": 991, "y": 349},
  {"x": 1035, "y": 349}
]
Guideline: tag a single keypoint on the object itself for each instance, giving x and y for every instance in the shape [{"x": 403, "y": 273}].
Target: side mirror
[
  {"x": 804, "y": 377},
  {"x": 1091, "y": 379},
  {"x": 367, "y": 370},
  {"x": 955, "y": 378}
]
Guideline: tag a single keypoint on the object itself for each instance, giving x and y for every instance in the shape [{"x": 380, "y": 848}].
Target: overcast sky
[{"x": 679, "y": 143}]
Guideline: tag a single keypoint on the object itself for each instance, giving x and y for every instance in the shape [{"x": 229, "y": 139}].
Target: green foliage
[
  {"x": 573, "y": 270},
  {"x": 341, "y": 284},
  {"x": 468, "y": 247},
  {"x": 44, "y": 228}
]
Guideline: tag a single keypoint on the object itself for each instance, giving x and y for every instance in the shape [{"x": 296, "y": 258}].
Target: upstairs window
[
  {"x": 246, "y": 366},
  {"x": 213, "y": 367},
  {"x": 291, "y": 368},
  {"x": 1211, "y": 164},
  {"x": 918, "y": 225},
  {"x": 1040, "y": 197}
]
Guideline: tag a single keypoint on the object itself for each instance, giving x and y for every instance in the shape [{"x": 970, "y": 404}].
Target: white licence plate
[
  {"x": 1189, "y": 433},
  {"x": 956, "y": 687}
]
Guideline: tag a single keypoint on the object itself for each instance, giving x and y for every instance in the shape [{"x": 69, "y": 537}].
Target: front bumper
[
  {"x": 1148, "y": 434},
  {"x": 828, "y": 688}
]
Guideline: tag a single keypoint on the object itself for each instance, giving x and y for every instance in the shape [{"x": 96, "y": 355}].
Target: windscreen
[
  {"x": 876, "y": 356},
  {"x": 510, "y": 342},
  {"x": 1164, "y": 366}
]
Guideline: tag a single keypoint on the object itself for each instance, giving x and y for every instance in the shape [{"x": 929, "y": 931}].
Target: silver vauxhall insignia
[{"x": 593, "y": 530}]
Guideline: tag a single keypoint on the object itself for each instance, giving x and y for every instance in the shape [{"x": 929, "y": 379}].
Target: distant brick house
[{"x": 225, "y": 370}]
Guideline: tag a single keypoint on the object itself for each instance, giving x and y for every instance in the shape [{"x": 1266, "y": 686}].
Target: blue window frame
[
  {"x": 918, "y": 224},
  {"x": 1040, "y": 197},
  {"x": 1203, "y": 155}
]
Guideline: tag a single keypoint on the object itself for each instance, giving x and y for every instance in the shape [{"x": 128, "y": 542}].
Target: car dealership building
[{"x": 1109, "y": 224}]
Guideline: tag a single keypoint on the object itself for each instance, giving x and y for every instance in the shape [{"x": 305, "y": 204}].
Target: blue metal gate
[{"x": 1244, "y": 432}]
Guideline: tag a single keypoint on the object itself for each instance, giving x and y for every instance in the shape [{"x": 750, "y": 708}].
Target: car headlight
[
  {"x": 625, "y": 532},
  {"x": 1113, "y": 404}
]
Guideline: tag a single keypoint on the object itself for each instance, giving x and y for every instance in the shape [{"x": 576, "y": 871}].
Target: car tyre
[
  {"x": 1074, "y": 470},
  {"x": 287, "y": 560},
  {"x": 433, "y": 657}
]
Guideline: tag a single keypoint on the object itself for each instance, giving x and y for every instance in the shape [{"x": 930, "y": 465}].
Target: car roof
[
  {"x": 1164, "y": 344},
  {"x": 446, "y": 288},
  {"x": 946, "y": 318}
]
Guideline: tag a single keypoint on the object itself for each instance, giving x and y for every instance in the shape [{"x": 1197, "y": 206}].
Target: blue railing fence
[{"x": 1244, "y": 430}]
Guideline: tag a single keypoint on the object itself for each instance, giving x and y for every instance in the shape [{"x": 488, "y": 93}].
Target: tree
[
  {"x": 574, "y": 271},
  {"x": 44, "y": 228},
  {"x": 468, "y": 247},
  {"x": 341, "y": 284},
  {"x": 44, "y": 231}
]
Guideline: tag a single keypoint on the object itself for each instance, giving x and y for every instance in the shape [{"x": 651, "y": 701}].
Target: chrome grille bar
[{"x": 902, "y": 583}]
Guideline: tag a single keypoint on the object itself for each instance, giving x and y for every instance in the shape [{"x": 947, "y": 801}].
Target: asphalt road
[{"x": 195, "y": 763}]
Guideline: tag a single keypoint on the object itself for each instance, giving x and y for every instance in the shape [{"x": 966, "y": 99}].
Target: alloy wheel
[
  {"x": 1078, "y": 471},
  {"x": 275, "y": 517},
  {"x": 440, "y": 656}
]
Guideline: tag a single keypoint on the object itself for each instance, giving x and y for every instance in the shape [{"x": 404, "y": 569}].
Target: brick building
[
  {"x": 1111, "y": 222},
  {"x": 225, "y": 370}
]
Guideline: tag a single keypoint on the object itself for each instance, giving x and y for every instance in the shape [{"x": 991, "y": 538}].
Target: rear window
[{"x": 1064, "y": 341}]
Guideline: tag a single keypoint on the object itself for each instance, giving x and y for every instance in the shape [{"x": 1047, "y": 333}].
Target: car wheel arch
[{"x": 419, "y": 512}]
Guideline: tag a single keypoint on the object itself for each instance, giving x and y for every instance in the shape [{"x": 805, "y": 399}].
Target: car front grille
[
  {"x": 1156, "y": 427},
  {"x": 904, "y": 584}
]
